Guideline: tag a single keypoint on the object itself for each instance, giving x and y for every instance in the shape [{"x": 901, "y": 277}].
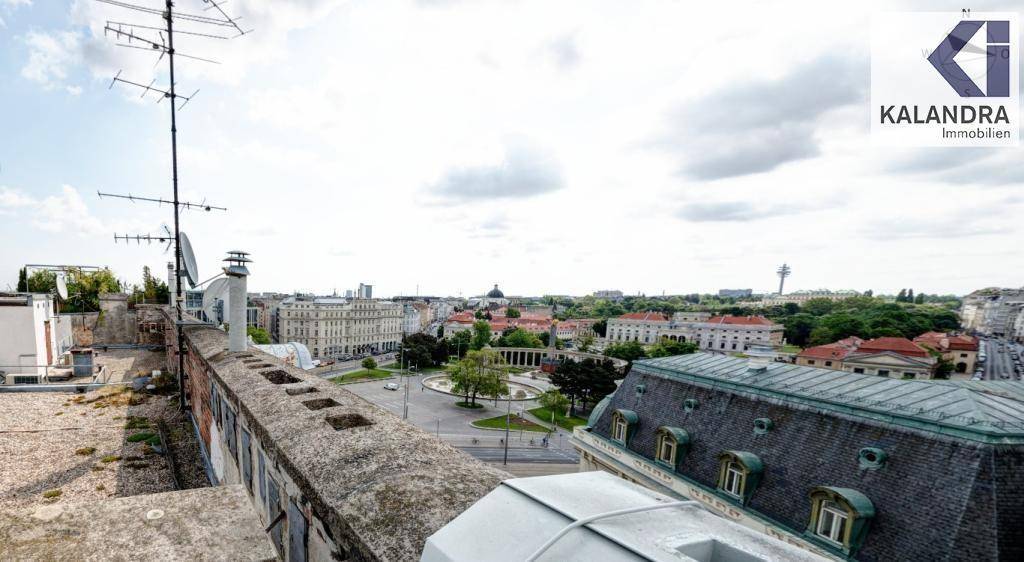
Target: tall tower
[{"x": 783, "y": 272}]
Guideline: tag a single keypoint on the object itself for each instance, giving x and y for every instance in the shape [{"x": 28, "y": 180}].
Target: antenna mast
[
  {"x": 126, "y": 32},
  {"x": 783, "y": 272}
]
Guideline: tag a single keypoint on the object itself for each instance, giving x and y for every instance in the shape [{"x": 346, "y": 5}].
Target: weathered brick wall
[{"x": 936, "y": 498}]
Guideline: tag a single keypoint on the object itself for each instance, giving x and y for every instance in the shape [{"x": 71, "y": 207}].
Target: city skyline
[{"x": 469, "y": 144}]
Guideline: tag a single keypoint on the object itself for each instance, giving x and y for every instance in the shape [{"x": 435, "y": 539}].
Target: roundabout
[{"x": 519, "y": 391}]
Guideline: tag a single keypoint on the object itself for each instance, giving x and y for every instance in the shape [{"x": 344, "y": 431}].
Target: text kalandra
[{"x": 946, "y": 114}]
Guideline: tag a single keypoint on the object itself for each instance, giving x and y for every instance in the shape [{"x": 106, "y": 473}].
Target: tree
[
  {"x": 422, "y": 350},
  {"x": 258, "y": 335},
  {"x": 554, "y": 401},
  {"x": 41, "y": 281},
  {"x": 568, "y": 380},
  {"x": 668, "y": 348},
  {"x": 585, "y": 343},
  {"x": 512, "y": 313},
  {"x": 519, "y": 337},
  {"x": 943, "y": 368},
  {"x": 919, "y": 299},
  {"x": 902, "y": 296},
  {"x": 586, "y": 381},
  {"x": 601, "y": 327},
  {"x": 630, "y": 351},
  {"x": 459, "y": 343},
  {"x": 910, "y": 295},
  {"x": 799, "y": 328},
  {"x": 481, "y": 335},
  {"x": 369, "y": 364},
  {"x": 480, "y": 373},
  {"x": 23, "y": 280}
]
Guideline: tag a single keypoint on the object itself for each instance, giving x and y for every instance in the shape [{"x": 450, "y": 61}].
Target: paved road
[
  {"x": 1000, "y": 364},
  {"x": 437, "y": 413},
  {"x": 523, "y": 455}
]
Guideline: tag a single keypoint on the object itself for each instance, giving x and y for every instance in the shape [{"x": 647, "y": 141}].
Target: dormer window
[
  {"x": 739, "y": 474},
  {"x": 623, "y": 422},
  {"x": 839, "y": 518},
  {"x": 670, "y": 445}
]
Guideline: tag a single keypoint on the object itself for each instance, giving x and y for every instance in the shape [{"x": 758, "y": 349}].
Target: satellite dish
[
  {"x": 188, "y": 259},
  {"x": 62, "y": 288},
  {"x": 217, "y": 289}
]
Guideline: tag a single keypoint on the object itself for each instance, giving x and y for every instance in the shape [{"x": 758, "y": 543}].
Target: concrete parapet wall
[{"x": 353, "y": 481}]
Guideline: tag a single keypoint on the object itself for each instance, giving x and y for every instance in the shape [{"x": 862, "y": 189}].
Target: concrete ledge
[{"x": 204, "y": 524}]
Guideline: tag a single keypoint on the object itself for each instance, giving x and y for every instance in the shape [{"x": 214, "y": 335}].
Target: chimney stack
[
  {"x": 237, "y": 273},
  {"x": 172, "y": 282}
]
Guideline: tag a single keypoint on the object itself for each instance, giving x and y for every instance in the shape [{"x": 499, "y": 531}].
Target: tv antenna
[
  {"x": 783, "y": 272},
  {"x": 160, "y": 39}
]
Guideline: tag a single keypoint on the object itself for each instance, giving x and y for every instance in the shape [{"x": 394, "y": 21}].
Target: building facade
[
  {"x": 712, "y": 333},
  {"x": 34, "y": 336},
  {"x": 333, "y": 327},
  {"x": 800, "y": 297},
  {"x": 959, "y": 349},
  {"x": 993, "y": 311},
  {"x": 897, "y": 358},
  {"x": 846, "y": 465}
]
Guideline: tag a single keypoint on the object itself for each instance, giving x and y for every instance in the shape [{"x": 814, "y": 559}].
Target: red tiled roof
[
  {"x": 903, "y": 346},
  {"x": 940, "y": 341},
  {"x": 742, "y": 320},
  {"x": 835, "y": 350},
  {"x": 646, "y": 316}
]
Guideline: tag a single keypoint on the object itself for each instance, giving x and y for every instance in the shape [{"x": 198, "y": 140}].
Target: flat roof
[
  {"x": 533, "y": 510},
  {"x": 203, "y": 524},
  {"x": 986, "y": 411}
]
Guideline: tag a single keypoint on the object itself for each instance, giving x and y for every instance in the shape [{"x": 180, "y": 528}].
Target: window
[
  {"x": 810, "y": 361},
  {"x": 858, "y": 370},
  {"x": 828, "y": 363},
  {"x": 883, "y": 372},
  {"x": 839, "y": 518},
  {"x": 832, "y": 521},
  {"x": 619, "y": 429},
  {"x": 739, "y": 474},
  {"x": 623, "y": 422},
  {"x": 733, "y": 483},
  {"x": 670, "y": 445},
  {"x": 667, "y": 449}
]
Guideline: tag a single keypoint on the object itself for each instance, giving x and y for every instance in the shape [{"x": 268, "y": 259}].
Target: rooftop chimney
[
  {"x": 172, "y": 281},
  {"x": 237, "y": 273},
  {"x": 759, "y": 358}
]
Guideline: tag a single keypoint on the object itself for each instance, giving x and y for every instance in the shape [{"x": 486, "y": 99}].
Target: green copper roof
[
  {"x": 991, "y": 412},
  {"x": 677, "y": 433}
]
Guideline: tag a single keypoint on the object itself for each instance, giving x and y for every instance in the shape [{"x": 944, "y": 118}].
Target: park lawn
[
  {"x": 560, "y": 419},
  {"x": 518, "y": 423},
  {"x": 391, "y": 365},
  {"x": 791, "y": 349},
  {"x": 363, "y": 375}
]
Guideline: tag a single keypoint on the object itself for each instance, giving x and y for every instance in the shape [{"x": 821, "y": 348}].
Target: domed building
[
  {"x": 492, "y": 300},
  {"x": 495, "y": 293}
]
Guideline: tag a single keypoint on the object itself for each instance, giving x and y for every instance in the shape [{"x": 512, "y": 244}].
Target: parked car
[{"x": 391, "y": 386}]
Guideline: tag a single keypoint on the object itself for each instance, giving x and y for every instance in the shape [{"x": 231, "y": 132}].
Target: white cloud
[
  {"x": 52, "y": 57},
  {"x": 65, "y": 212}
]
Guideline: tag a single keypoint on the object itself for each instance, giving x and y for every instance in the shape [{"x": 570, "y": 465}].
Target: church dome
[{"x": 495, "y": 293}]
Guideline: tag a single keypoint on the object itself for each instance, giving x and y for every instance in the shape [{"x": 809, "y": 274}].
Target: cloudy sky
[{"x": 551, "y": 147}]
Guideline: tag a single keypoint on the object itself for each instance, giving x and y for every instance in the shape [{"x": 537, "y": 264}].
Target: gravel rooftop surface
[{"x": 78, "y": 444}]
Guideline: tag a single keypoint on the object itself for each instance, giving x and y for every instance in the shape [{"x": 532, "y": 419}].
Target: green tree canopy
[
  {"x": 518, "y": 337},
  {"x": 481, "y": 373},
  {"x": 481, "y": 335},
  {"x": 258, "y": 335},
  {"x": 630, "y": 351}
]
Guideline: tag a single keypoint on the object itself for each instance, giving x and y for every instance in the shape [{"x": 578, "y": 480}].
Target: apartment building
[
  {"x": 712, "y": 333},
  {"x": 993, "y": 311},
  {"x": 331, "y": 327}
]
